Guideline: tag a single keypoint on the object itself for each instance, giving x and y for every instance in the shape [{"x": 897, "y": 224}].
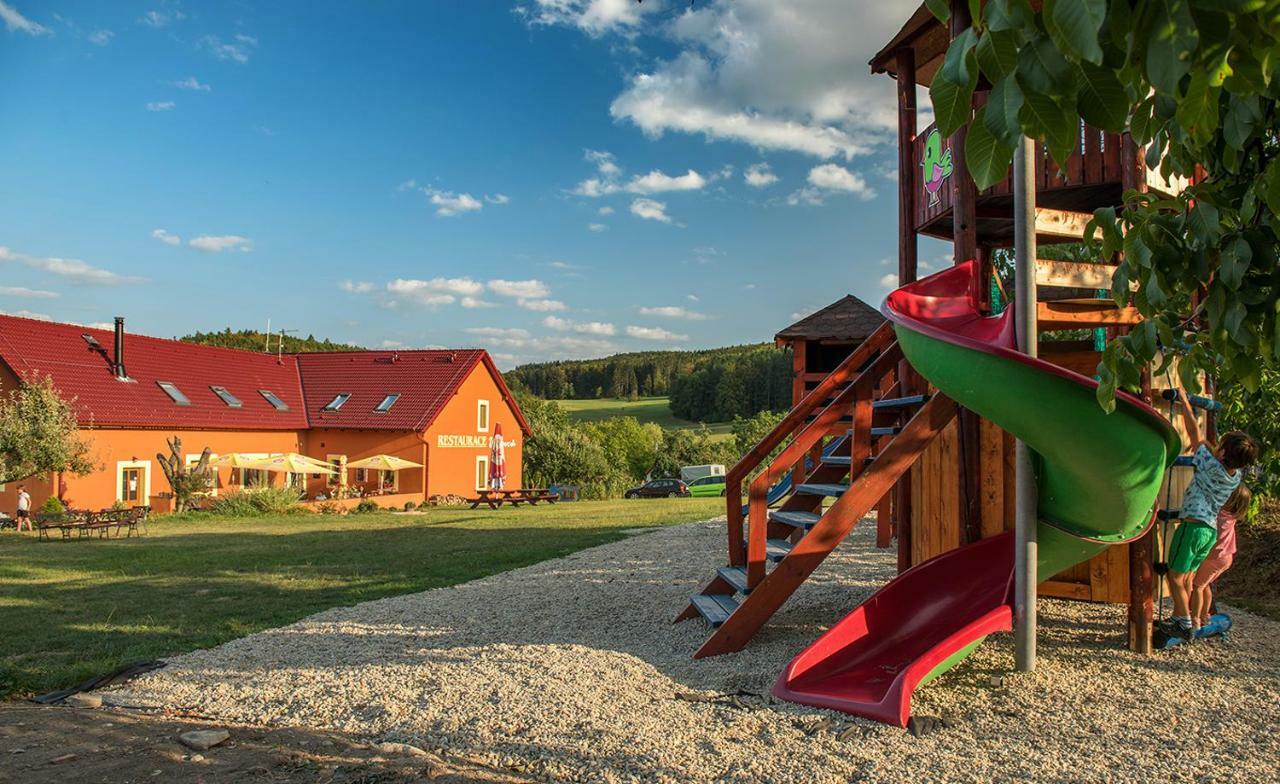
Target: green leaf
[
  {"x": 1136, "y": 250},
  {"x": 1142, "y": 124},
  {"x": 987, "y": 157},
  {"x": 1050, "y": 122},
  {"x": 1042, "y": 69},
  {"x": 1204, "y": 222},
  {"x": 958, "y": 65},
  {"x": 952, "y": 88},
  {"x": 1234, "y": 319},
  {"x": 1170, "y": 41},
  {"x": 1074, "y": 26},
  {"x": 1102, "y": 101},
  {"x": 1243, "y": 114},
  {"x": 1001, "y": 115},
  {"x": 940, "y": 8},
  {"x": 1120, "y": 286},
  {"x": 1271, "y": 177},
  {"x": 1235, "y": 263},
  {"x": 997, "y": 53},
  {"x": 1008, "y": 15},
  {"x": 1198, "y": 111},
  {"x": 1155, "y": 294},
  {"x": 1189, "y": 375}
]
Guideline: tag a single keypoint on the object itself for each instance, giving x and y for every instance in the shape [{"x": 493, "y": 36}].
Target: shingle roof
[
  {"x": 46, "y": 348},
  {"x": 425, "y": 380},
  {"x": 846, "y": 319}
]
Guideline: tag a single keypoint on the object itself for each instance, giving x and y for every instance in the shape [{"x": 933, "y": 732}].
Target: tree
[
  {"x": 39, "y": 434},
  {"x": 1194, "y": 81},
  {"x": 184, "y": 480}
]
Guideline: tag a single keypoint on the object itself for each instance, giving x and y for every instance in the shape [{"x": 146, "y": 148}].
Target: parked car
[
  {"x": 707, "y": 486},
  {"x": 659, "y": 488}
]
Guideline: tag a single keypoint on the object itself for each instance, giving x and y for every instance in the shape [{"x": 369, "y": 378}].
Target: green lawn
[
  {"x": 646, "y": 409},
  {"x": 72, "y": 609}
]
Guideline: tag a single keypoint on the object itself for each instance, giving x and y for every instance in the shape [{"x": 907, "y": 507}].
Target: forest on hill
[
  {"x": 256, "y": 340},
  {"x": 711, "y": 385}
]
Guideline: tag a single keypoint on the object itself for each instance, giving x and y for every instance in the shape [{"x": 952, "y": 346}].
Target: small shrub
[
  {"x": 53, "y": 508},
  {"x": 409, "y": 506},
  {"x": 329, "y": 508},
  {"x": 257, "y": 502},
  {"x": 425, "y": 505},
  {"x": 365, "y": 506}
]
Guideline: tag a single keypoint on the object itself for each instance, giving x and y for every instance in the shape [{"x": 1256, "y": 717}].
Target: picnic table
[
  {"x": 525, "y": 495},
  {"x": 83, "y": 524}
]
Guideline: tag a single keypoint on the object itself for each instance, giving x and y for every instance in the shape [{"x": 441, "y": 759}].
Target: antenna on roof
[{"x": 268, "y": 348}]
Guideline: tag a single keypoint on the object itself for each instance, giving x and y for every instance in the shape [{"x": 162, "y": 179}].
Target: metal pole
[{"x": 1025, "y": 554}]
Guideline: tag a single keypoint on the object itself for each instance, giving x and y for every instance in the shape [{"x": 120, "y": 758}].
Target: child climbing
[
  {"x": 1220, "y": 557},
  {"x": 1217, "y": 475}
]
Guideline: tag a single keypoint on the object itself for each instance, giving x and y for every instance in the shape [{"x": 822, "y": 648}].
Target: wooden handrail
[
  {"x": 857, "y": 395},
  {"x": 845, "y": 372}
]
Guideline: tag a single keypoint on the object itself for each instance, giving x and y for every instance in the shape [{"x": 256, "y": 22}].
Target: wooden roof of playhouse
[
  {"x": 922, "y": 33},
  {"x": 847, "y": 320}
]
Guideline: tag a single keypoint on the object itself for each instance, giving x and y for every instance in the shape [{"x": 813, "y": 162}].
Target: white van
[{"x": 690, "y": 473}]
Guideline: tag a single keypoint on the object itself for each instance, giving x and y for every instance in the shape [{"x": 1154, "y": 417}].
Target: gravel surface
[{"x": 570, "y": 670}]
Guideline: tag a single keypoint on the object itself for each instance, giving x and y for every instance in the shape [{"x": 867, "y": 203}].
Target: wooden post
[
  {"x": 797, "y": 371},
  {"x": 964, "y": 194},
  {"x": 907, "y": 265},
  {"x": 1141, "y": 551}
]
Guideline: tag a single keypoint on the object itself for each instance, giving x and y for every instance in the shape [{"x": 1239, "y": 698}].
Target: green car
[{"x": 707, "y": 486}]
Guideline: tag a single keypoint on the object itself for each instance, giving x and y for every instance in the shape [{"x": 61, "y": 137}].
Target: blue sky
[{"x": 544, "y": 178}]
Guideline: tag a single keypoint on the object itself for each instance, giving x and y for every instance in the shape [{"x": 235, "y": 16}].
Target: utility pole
[{"x": 1026, "y": 519}]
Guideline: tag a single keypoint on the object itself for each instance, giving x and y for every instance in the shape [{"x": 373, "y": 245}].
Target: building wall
[
  {"x": 452, "y": 468},
  {"x": 327, "y": 443}
]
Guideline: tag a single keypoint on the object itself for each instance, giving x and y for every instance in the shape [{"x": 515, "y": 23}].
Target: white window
[
  {"x": 337, "y": 401},
  {"x": 387, "y": 403},
  {"x": 361, "y": 475},
  {"x": 482, "y": 416},
  {"x": 133, "y": 482},
  {"x": 482, "y": 472},
  {"x": 390, "y": 480},
  {"x": 212, "y": 487}
]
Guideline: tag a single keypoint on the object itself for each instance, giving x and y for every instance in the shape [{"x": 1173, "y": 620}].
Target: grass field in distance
[{"x": 645, "y": 409}]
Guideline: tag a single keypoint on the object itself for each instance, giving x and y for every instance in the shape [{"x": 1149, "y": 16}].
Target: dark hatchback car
[{"x": 659, "y": 488}]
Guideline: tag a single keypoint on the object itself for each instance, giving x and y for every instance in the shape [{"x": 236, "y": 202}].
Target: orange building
[{"x": 437, "y": 408}]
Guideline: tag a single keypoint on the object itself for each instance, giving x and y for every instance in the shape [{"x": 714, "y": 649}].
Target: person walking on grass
[
  {"x": 1218, "y": 470},
  {"x": 1220, "y": 557},
  {"x": 24, "y": 508}
]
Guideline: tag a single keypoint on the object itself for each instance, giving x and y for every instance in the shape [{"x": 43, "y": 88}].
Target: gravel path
[{"x": 570, "y": 670}]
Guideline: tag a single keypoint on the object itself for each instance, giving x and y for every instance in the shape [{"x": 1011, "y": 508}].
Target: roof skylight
[
  {"x": 228, "y": 398},
  {"x": 174, "y": 393},
  {"x": 337, "y": 402},
  {"x": 387, "y": 403},
  {"x": 276, "y": 402}
]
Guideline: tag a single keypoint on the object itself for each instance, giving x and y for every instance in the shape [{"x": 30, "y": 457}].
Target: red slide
[{"x": 1098, "y": 475}]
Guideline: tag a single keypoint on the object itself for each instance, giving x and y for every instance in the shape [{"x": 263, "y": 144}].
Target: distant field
[{"x": 646, "y": 409}]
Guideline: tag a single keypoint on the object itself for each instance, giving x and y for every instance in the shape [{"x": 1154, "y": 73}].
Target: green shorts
[{"x": 1191, "y": 543}]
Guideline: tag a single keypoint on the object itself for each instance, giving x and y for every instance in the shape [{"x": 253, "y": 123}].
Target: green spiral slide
[{"x": 1099, "y": 477}]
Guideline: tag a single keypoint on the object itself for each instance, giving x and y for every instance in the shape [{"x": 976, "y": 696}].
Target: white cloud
[
  {"x": 581, "y": 327},
  {"x": 524, "y": 289},
  {"x": 101, "y": 37},
  {"x": 433, "y": 292},
  {"x": 759, "y": 175},
  {"x": 191, "y": 83},
  {"x": 673, "y": 311},
  {"x": 476, "y": 302},
  {"x": 594, "y": 187},
  {"x": 774, "y": 75},
  {"x": 810, "y": 196},
  {"x": 449, "y": 204},
  {"x": 605, "y": 210},
  {"x": 594, "y": 17},
  {"x": 160, "y": 106},
  {"x": 392, "y": 344},
  {"x": 72, "y": 269},
  {"x": 218, "y": 243},
  {"x": 16, "y": 22},
  {"x": 692, "y": 297},
  {"x": 166, "y": 237},
  {"x": 560, "y": 265},
  {"x": 28, "y": 314},
  {"x": 889, "y": 281},
  {"x": 357, "y": 286},
  {"x": 497, "y": 198},
  {"x": 650, "y": 210},
  {"x": 26, "y": 293},
  {"x": 498, "y": 332},
  {"x": 597, "y": 227},
  {"x": 604, "y": 162},
  {"x": 653, "y": 333},
  {"x": 158, "y": 19},
  {"x": 236, "y": 50},
  {"x": 659, "y": 182},
  {"x": 541, "y": 305},
  {"x": 834, "y": 177}
]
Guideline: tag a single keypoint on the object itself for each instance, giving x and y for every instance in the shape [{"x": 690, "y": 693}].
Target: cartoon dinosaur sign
[{"x": 936, "y": 166}]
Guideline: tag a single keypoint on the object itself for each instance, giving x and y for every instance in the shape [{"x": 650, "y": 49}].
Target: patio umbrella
[
  {"x": 384, "y": 463},
  {"x": 293, "y": 463},
  {"x": 235, "y": 460}
]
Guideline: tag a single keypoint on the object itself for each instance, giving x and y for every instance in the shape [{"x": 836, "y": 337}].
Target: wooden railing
[
  {"x": 856, "y": 398},
  {"x": 843, "y": 375}
]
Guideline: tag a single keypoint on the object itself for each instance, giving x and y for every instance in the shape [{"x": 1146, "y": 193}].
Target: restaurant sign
[{"x": 468, "y": 442}]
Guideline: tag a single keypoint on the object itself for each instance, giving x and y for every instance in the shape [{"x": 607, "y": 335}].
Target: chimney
[{"x": 120, "y": 372}]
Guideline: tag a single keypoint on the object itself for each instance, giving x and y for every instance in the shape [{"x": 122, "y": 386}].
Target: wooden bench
[
  {"x": 84, "y": 524},
  {"x": 525, "y": 495},
  {"x": 68, "y": 523}
]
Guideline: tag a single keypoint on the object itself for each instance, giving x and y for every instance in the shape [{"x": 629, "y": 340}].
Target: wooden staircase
[{"x": 771, "y": 552}]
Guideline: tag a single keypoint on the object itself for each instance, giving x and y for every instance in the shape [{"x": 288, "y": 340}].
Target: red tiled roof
[
  {"x": 425, "y": 381},
  {"x": 46, "y": 348}
]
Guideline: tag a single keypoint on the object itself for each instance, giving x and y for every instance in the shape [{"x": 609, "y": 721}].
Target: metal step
[
  {"x": 735, "y": 576},
  {"x": 885, "y": 431},
  {"x": 817, "y": 488},
  {"x": 845, "y": 460},
  {"x": 776, "y": 549},
  {"x": 890, "y": 403},
  {"x": 804, "y": 520},
  {"x": 715, "y": 608}
]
